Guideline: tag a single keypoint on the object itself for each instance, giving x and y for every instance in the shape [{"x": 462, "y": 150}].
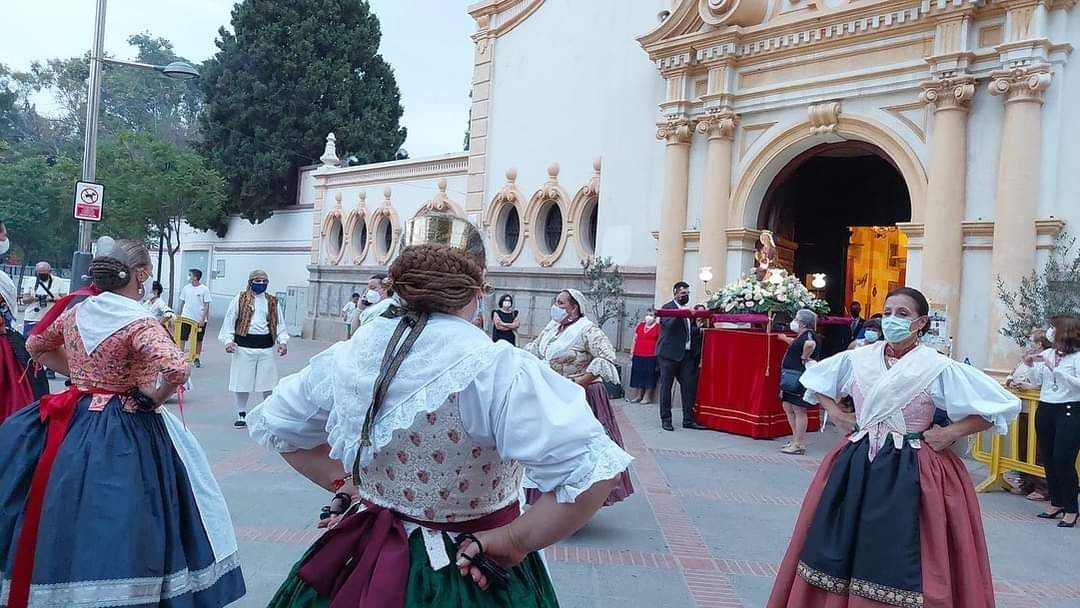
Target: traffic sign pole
[{"x": 80, "y": 261}]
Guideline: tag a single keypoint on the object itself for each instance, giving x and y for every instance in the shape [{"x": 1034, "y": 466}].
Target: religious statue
[{"x": 765, "y": 255}]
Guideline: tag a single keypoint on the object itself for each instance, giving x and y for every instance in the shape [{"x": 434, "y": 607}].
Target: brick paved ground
[{"x": 707, "y": 527}]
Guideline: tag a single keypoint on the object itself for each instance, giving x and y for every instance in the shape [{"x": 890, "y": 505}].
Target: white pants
[{"x": 253, "y": 370}]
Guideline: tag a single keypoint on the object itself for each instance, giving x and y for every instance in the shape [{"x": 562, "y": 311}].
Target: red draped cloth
[
  {"x": 15, "y": 392},
  {"x": 739, "y": 384}
]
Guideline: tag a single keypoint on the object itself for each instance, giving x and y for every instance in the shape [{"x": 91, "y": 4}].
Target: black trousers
[
  {"x": 686, "y": 372},
  {"x": 1057, "y": 429}
]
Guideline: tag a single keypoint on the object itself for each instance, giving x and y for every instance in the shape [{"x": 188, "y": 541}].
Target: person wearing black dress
[
  {"x": 505, "y": 321},
  {"x": 801, "y": 348}
]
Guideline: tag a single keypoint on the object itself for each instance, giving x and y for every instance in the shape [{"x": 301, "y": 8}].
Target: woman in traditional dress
[
  {"x": 108, "y": 500},
  {"x": 20, "y": 380},
  {"x": 437, "y": 434},
  {"x": 577, "y": 349},
  {"x": 891, "y": 518}
]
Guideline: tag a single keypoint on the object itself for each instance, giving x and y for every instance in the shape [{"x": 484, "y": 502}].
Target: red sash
[{"x": 56, "y": 410}]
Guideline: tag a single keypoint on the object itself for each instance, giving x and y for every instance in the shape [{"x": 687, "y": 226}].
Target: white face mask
[
  {"x": 4, "y": 246},
  {"x": 507, "y": 304},
  {"x": 558, "y": 314},
  {"x": 649, "y": 319},
  {"x": 1050, "y": 334},
  {"x": 372, "y": 297},
  {"x": 794, "y": 325}
]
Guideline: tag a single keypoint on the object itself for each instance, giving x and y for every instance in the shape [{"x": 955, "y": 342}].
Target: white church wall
[
  {"x": 1060, "y": 190},
  {"x": 571, "y": 84},
  {"x": 976, "y": 293}
]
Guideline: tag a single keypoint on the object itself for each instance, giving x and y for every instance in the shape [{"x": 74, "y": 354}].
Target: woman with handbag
[{"x": 803, "y": 347}]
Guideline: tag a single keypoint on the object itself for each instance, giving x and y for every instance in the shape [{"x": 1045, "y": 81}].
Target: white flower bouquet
[{"x": 778, "y": 293}]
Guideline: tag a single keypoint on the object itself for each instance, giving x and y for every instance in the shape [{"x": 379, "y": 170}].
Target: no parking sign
[{"x": 88, "y": 199}]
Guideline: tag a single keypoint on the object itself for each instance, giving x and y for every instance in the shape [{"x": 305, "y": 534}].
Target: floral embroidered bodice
[
  {"x": 433, "y": 471},
  {"x": 131, "y": 357},
  {"x": 918, "y": 415},
  {"x": 591, "y": 353}
]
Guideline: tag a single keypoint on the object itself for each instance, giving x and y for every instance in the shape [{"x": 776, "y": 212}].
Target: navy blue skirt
[
  {"x": 120, "y": 525},
  {"x": 643, "y": 372}
]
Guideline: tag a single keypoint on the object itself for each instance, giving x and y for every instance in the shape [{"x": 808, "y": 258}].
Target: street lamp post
[{"x": 80, "y": 261}]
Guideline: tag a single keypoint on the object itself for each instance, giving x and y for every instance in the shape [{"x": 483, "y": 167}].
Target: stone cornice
[{"x": 497, "y": 17}]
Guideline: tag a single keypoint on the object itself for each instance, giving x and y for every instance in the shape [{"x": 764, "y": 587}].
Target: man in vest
[{"x": 251, "y": 332}]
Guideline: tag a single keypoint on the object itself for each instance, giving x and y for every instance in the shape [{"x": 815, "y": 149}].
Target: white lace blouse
[{"x": 503, "y": 399}]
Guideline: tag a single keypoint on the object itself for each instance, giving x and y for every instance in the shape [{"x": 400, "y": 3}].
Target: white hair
[{"x": 807, "y": 318}]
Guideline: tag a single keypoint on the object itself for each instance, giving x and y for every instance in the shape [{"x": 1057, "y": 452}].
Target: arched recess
[
  {"x": 505, "y": 221},
  {"x": 333, "y": 233},
  {"x": 357, "y": 235},
  {"x": 763, "y": 169},
  {"x": 584, "y": 215},
  {"x": 548, "y": 218},
  {"x": 384, "y": 230}
]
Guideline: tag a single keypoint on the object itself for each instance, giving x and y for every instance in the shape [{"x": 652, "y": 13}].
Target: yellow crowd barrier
[
  {"x": 192, "y": 342},
  {"x": 1016, "y": 451}
]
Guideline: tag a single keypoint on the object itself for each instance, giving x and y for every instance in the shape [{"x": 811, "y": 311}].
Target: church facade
[{"x": 883, "y": 142}]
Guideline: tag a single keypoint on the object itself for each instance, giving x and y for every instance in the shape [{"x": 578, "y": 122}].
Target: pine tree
[{"x": 294, "y": 71}]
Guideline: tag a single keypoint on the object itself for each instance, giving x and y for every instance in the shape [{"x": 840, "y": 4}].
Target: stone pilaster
[
  {"x": 677, "y": 133},
  {"x": 720, "y": 128}
]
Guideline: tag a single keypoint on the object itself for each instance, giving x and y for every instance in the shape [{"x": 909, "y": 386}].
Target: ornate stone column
[
  {"x": 945, "y": 193},
  {"x": 677, "y": 132},
  {"x": 716, "y": 203},
  {"x": 1016, "y": 203}
]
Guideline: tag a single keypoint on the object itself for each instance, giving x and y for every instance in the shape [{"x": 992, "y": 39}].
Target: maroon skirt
[
  {"x": 950, "y": 547},
  {"x": 597, "y": 397}
]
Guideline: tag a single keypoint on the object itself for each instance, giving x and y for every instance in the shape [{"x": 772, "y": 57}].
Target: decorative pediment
[{"x": 732, "y": 12}]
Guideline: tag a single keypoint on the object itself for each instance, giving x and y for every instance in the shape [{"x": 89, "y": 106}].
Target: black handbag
[{"x": 789, "y": 381}]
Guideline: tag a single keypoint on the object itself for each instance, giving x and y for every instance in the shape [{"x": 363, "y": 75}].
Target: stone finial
[
  {"x": 511, "y": 175},
  {"x": 386, "y": 195},
  {"x": 363, "y": 198},
  {"x": 553, "y": 170},
  {"x": 329, "y": 156},
  {"x": 596, "y": 165},
  {"x": 442, "y": 185},
  {"x": 337, "y": 200}
]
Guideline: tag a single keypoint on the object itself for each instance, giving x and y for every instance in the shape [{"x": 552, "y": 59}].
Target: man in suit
[
  {"x": 858, "y": 324},
  {"x": 680, "y": 339}
]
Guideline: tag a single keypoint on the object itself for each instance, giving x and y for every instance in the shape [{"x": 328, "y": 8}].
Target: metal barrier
[
  {"x": 192, "y": 339},
  {"x": 1016, "y": 451}
]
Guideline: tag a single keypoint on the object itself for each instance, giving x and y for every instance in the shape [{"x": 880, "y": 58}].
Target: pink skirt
[
  {"x": 596, "y": 395},
  {"x": 952, "y": 546}
]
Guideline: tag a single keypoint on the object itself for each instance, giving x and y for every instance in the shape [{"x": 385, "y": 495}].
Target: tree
[
  {"x": 153, "y": 186},
  {"x": 294, "y": 71},
  {"x": 605, "y": 289},
  {"x": 36, "y": 199},
  {"x": 1041, "y": 295}
]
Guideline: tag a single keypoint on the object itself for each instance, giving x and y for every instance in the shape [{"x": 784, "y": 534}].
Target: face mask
[
  {"x": 794, "y": 325},
  {"x": 870, "y": 336},
  {"x": 507, "y": 304},
  {"x": 895, "y": 328},
  {"x": 683, "y": 299},
  {"x": 1050, "y": 334},
  {"x": 4, "y": 246},
  {"x": 259, "y": 287},
  {"x": 43, "y": 277},
  {"x": 372, "y": 297},
  {"x": 558, "y": 314},
  {"x": 649, "y": 319}
]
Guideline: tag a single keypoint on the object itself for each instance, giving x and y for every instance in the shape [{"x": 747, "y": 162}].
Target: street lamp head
[{"x": 180, "y": 70}]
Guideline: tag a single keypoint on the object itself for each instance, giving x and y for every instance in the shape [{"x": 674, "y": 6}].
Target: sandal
[
  {"x": 1036, "y": 496},
  {"x": 793, "y": 450}
]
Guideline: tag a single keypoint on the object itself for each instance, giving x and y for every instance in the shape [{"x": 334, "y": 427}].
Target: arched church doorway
[{"x": 839, "y": 204}]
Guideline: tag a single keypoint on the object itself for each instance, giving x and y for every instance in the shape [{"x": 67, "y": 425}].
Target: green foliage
[
  {"x": 152, "y": 186},
  {"x": 294, "y": 71},
  {"x": 1043, "y": 294},
  {"x": 605, "y": 290},
  {"x": 36, "y": 199}
]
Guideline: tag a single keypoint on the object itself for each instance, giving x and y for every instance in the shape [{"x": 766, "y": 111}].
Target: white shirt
[
  {"x": 34, "y": 312},
  {"x": 348, "y": 310},
  {"x": 193, "y": 299},
  {"x": 158, "y": 308},
  {"x": 1060, "y": 385},
  {"x": 260, "y": 325}
]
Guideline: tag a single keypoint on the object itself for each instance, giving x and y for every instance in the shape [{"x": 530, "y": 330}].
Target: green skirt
[{"x": 530, "y": 586}]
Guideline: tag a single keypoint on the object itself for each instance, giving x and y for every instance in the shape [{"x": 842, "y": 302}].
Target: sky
[{"x": 426, "y": 41}]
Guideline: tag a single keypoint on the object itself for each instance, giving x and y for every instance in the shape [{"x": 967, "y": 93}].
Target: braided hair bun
[
  {"x": 436, "y": 278},
  {"x": 114, "y": 266}
]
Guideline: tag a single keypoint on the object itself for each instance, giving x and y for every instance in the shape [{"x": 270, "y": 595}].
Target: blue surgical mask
[
  {"x": 871, "y": 336},
  {"x": 558, "y": 314},
  {"x": 895, "y": 329},
  {"x": 259, "y": 287}
]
